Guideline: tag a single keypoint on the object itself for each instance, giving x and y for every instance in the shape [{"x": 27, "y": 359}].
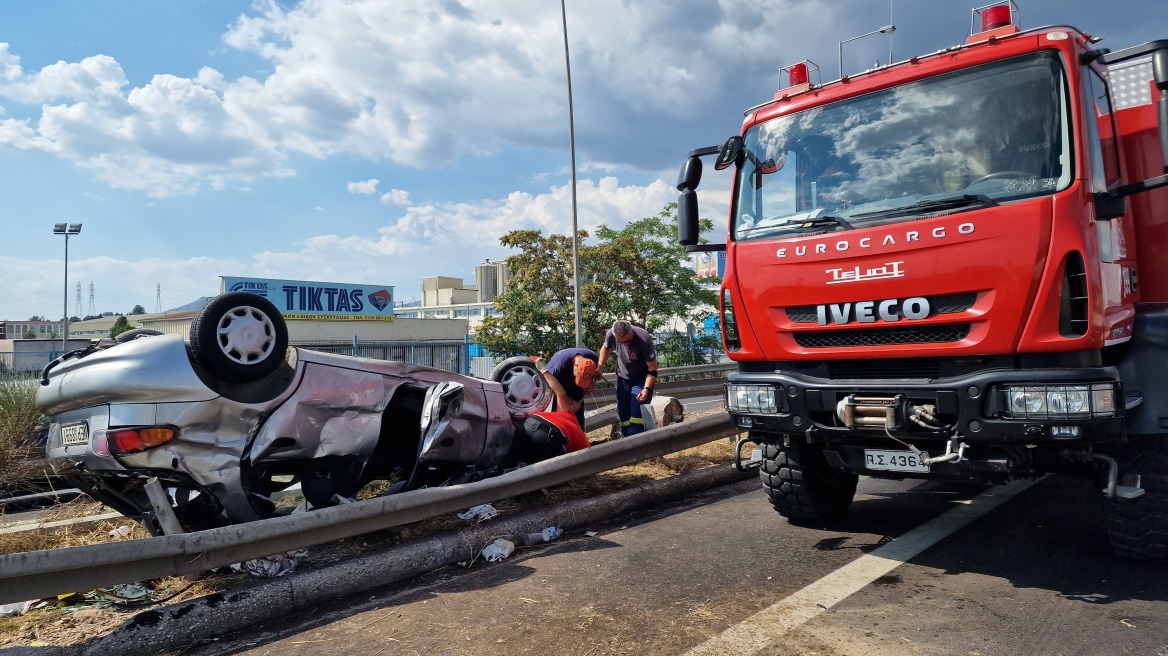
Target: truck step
[{"x": 1132, "y": 399}]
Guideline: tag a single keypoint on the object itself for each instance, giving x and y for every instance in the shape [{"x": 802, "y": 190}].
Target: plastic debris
[
  {"x": 17, "y": 609},
  {"x": 479, "y": 513},
  {"x": 498, "y": 550},
  {"x": 547, "y": 535},
  {"x": 120, "y": 532},
  {"x": 270, "y": 566},
  {"x": 126, "y": 592}
]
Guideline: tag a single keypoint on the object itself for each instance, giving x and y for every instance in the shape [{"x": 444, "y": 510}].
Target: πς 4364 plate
[{"x": 902, "y": 461}]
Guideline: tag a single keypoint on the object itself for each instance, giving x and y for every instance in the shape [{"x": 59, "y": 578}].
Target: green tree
[
  {"x": 37, "y": 317},
  {"x": 138, "y": 309},
  {"x": 120, "y": 326},
  {"x": 28, "y": 334},
  {"x": 638, "y": 273}
]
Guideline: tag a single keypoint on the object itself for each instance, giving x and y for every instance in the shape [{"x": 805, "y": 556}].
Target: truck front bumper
[{"x": 998, "y": 406}]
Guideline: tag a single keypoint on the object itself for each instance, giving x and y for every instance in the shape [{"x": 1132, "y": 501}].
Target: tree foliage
[
  {"x": 138, "y": 309},
  {"x": 120, "y": 326},
  {"x": 638, "y": 273}
]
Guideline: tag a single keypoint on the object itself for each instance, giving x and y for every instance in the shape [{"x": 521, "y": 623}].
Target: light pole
[
  {"x": 887, "y": 29},
  {"x": 67, "y": 230},
  {"x": 572, "y": 151}
]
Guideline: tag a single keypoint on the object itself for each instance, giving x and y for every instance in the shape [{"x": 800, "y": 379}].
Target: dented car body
[{"x": 222, "y": 438}]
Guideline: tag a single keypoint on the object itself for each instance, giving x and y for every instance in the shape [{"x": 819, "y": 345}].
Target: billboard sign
[
  {"x": 709, "y": 264},
  {"x": 302, "y": 299}
]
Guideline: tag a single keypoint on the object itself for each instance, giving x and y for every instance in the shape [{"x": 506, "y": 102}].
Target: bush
[{"x": 19, "y": 420}]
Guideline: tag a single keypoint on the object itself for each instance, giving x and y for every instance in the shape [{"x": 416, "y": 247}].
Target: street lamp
[
  {"x": 67, "y": 230},
  {"x": 887, "y": 29},
  {"x": 572, "y": 150}
]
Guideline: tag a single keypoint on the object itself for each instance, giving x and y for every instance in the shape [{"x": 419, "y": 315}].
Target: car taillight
[{"x": 133, "y": 440}]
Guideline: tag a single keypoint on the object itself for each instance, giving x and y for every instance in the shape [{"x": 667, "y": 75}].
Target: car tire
[
  {"x": 802, "y": 486},
  {"x": 131, "y": 335},
  {"x": 524, "y": 387},
  {"x": 1138, "y": 528},
  {"x": 239, "y": 337}
]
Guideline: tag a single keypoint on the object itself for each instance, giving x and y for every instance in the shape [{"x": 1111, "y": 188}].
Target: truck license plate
[
  {"x": 75, "y": 434},
  {"x": 905, "y": 461}
]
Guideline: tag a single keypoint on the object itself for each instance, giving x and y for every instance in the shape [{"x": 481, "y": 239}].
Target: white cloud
[
  {"x": 413, "y": 82},
  {"x": 364, "y": 187},
  {"x": 398, "y": 197}
]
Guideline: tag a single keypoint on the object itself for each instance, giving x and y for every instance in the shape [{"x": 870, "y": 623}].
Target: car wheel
[
  {"x": 802, "y": 486},
  {"x": 239, "y": 337},
  {"x": 131, "y": 335},
  {"x": 524, "y": 387}
]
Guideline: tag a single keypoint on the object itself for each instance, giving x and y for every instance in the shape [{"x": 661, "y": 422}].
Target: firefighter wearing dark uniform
[{"x": 636, "y": 372}]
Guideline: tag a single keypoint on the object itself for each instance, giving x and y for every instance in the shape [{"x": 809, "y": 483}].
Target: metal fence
[{"x": 445, "y": 355}]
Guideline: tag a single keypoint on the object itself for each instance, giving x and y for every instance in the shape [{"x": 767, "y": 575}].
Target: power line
[
  {"x": 158, "y": 298},
  {"x": 77, "y": 308},
  {"x": 92, "y": 306}
]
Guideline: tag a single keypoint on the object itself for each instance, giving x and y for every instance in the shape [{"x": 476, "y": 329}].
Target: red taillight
[
  {"x": 797, "y": 74},
  {"x": 995, "y": 17},
  {"x": 133, "y": 440}
]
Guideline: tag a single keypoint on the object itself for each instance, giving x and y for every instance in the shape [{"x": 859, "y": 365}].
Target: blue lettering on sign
[
  {"x": 322, "y": 299},
  {"x": 257, "y": 288}
]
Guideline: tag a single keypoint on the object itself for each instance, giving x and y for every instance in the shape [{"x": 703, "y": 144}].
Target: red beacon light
[
  {"x": 798, "y": 76},
  {"x": 997, "y": 19}
]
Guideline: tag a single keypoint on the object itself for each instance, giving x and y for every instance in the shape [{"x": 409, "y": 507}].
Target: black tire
[
  {"x": 524, "y": 387},
  {"x": 131, "y": 335},
  {"x": 802, "y": 486},
  {"x": 239, "y": 337},
  {"x": 1138, "y": 528}
]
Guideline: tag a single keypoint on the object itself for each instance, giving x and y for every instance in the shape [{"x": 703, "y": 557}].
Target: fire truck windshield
[{"x": 994, "y": 133}]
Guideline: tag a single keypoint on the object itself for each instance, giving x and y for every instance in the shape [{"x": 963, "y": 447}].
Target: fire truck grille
[
  {"x": 914, "y": 369},
  {"x": 943, "y": 304},
  {"x": 883, "y": 336}
]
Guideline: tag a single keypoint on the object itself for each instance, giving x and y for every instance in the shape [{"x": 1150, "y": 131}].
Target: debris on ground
[
  {"x": 498, "y": 550},
  {"x": 270, "y": 566},
  {"x": 479, "y": 513},
  {"x": 547, "y": 535}
]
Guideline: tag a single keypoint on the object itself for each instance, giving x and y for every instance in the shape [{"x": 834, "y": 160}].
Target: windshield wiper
[
  {"x": 813, "y": 222},
  {"x": 932, "y": 207}
]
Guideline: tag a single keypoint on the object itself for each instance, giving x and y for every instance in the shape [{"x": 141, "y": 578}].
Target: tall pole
[
  {"x": 65, "y": 315},
  {"x": 572, "y": 151},
  {"x": 66, "y": 229}
]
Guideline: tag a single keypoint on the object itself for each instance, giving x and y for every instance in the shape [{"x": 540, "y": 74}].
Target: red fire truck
[{"x": 952, "y": 268}]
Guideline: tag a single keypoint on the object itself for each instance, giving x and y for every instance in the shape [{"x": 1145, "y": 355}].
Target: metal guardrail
[{"x": 38, "y": 574}]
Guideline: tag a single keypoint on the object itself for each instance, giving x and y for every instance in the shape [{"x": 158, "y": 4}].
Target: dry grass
[
  {"x": 19, "y": 418},
  {"x": 78, "y": 619}
]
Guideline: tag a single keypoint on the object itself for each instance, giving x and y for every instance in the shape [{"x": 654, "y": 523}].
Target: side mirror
[
  {"x": 1160, "y": 75},
  {"x": 687, "y": 218},
  {"x": 729, "y": 154},
  {"x": 691, "y": 174}
]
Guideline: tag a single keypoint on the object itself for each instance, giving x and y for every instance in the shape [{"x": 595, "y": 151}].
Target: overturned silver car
[{"x": 233, "y": 414}]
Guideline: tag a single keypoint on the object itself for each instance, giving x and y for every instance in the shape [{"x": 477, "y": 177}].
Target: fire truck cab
[{"x": 949, "y": 268}]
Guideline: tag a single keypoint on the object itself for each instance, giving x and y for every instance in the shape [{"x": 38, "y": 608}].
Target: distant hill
[{"x": 196, "y": 304}]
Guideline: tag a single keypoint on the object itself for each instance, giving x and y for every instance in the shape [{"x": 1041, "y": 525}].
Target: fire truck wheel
[
  {"x": 1138, "y": 528},
  {"x": 802, "y": 486}
]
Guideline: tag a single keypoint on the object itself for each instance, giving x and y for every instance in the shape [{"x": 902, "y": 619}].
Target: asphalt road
[{"x": 722, "y": 573}]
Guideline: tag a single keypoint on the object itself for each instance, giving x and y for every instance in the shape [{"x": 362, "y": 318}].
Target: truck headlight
[
  {"x": 751, "y": 398},
  {"x": 1060, "y": 401}
]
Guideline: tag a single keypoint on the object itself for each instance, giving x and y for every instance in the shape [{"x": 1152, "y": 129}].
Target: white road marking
[{"x": 765, "y": 628}]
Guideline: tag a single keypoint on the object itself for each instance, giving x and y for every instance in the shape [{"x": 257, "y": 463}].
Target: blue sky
[{"x": 381, "y": 142}]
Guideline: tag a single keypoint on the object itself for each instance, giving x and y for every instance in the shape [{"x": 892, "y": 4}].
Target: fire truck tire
[
  {"x": 802, "y": 486},
  {"x": 1138, "y": 528}
]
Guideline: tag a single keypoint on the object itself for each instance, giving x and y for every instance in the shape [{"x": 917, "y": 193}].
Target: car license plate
[
  {"x": 75, "y": 434},
  {"x": 905, "y": 461}
]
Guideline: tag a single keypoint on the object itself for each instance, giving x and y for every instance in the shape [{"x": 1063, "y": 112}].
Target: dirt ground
[{"x": 75, "y": 620}]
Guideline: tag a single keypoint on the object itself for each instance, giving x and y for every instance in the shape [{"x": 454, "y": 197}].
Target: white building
[{"x": 445, "y": 297}]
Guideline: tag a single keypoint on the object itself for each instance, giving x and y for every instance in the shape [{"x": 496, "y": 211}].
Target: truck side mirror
[
  {"x": 687, "y": 218},
  {"x": 690, "y": 175},
  {"x": 729, "y": 154},
  {"x": 1160, "y": 75}
]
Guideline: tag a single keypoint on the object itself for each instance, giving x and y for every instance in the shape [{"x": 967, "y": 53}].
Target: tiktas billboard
[{"x": 302, "y": 299}]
